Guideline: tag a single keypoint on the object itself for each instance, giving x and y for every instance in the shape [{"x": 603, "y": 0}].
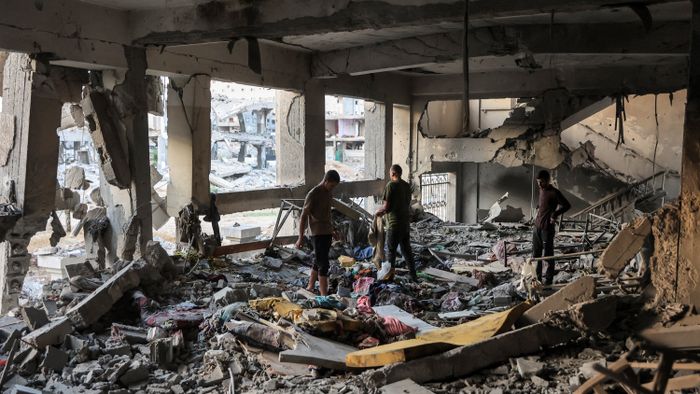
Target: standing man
[
  {"x": 317, "y": 215},
  {"x": 397, "y": 202},
  {"x": 551, "y": 205}
]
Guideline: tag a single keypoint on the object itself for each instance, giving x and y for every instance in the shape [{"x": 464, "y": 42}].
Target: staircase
[{"x": 643, "y": 195}]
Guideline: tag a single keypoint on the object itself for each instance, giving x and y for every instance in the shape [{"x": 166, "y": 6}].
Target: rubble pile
[{"x": 476, "y": 321}]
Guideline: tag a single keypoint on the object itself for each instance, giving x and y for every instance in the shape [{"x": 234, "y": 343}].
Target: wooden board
[
  {"x": 437, "y": 341},
  {"x": 405, "y": 317},
  {"x": 450, "y": 277},
  {"x": 317, "y": 351}
]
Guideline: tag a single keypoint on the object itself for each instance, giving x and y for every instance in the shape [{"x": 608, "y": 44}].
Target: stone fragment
[
  {"x": 55, "y": 359},
  {"x": 159, "y": 259},
  {"x": 53, "y": 333},
  {"x": 136, "y": 373},
  {"x": 539, "y": 382},
  {"x": 215, "y": 376},
  {"x": 34, "y": 317},
  {"x": 228, "y": 296},
  {"x": 587, "y": 369},
  {"x": 75, "y": 178},
  {"x": 528, "y": 367}
]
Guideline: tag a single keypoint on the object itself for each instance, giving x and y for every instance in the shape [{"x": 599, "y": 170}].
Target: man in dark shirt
[
  {"x": 551, "y": 205},
  {"x": 397, "y": 202},
  {"x": 317, "y": 214}
]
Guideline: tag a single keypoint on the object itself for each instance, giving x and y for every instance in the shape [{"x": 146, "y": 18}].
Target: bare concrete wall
[
  {"x": 443, "y": 118},
  {"x": 489, "y": 181},
  {"x": 635, "y": 158}
]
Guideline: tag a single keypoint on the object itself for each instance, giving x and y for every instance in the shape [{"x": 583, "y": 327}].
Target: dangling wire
[{"x": 620, "y": 118}]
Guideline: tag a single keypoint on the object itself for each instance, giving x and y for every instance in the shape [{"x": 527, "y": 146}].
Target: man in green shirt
[{"x": 397, "y": 202}]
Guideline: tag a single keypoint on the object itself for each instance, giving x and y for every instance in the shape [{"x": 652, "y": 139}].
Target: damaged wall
[
  {"x": 484, "y": 183},
  {"x": 443, "y": 118},
  {"x": 635, "y": 158}
]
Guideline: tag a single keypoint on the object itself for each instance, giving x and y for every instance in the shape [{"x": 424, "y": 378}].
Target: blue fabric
[{"x": 363, "y": 253}]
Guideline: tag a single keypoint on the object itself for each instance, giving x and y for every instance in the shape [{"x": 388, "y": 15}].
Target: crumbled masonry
[{"x": 226, "y": 318}]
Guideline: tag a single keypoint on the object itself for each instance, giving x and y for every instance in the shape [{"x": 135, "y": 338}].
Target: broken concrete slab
[
  {"x": 405, "y": 317},
  {"x": 626, "y": 244},
  {"x": 317, "y": 351},
  {"x": 406, "y": 386},
  {"x": 75, "y": 178},
  {"x": 34, "y": 317},
  {"x": 677, "y": 337},
  {"x": 100, "y": 301},
  {"x": 105, "y": 136},
  {"x": 77, "y": 266},
  {"x": 136, "y": 373},
  {"x": 580, "y": 290},
  {"x": 450, "y": 277},
  {"x": 527, "y": 340},
  {"x": 55, "y": 359},
  {"x": 53, "y": 333}
]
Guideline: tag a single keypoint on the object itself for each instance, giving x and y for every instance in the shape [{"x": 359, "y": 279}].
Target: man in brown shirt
[
  {"x": 552, "y": 204},
  {"x": 317, "y": 215}
]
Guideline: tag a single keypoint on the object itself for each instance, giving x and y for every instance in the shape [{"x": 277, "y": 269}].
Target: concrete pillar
[
  {"x": 135, "y": 89},
  {"x": 378, "y": 136},
  {"x": 314, "y": 132},
  {"x": 242, "y": 151},
  {"x": 400, "y": 137},
  {"x": 31, "y": 113},
  {"x": 688, "y": 265},
  {"x": 289, "y": 137},
  {"x": 189, "y": 142}
]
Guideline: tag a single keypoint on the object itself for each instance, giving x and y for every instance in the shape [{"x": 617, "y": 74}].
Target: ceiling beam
[
  {"x": 600, "y": 81},
  {"x": 274, "y": 19},
  {"x": 69, "y": 29},
  {"x": 627, "y": 38}
]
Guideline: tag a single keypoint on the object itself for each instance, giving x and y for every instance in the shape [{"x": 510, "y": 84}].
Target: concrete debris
[
  {"x": 105, "y": 136},
  {"x": 528, "y": 368},
  {"x": 626, "y": 244},
  {"x": 187, "y": 323},
  {"x": 101, "y": 300},
  {"x": 53, "y": 333},
  {"x": 578, "y": 291},
  {"x": 34, "y": 317},
  {"x": 75, "y": 178}
]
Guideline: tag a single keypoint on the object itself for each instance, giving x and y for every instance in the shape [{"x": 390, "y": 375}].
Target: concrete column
[
  {"x": 687, "y": 289},
  {"x": 289, "y": 138},
  {"x": 400, "y": 137},
  {"x": 314, "y": 132},
  {"x": 135, "y": 120},
  {"x": 189, "y": 140},
  {"x": 378, "y": 135},
  {"x": 31, "y": 113}
]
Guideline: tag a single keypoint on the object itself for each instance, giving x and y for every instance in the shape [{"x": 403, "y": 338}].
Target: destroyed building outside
[{"x": 157, "y": 159}]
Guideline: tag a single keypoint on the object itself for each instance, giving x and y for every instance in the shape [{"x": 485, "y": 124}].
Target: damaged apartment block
[{"x": 434, "y": 196}]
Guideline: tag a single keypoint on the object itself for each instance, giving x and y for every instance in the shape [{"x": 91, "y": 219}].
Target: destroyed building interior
[{"x": 160, "y": 158}]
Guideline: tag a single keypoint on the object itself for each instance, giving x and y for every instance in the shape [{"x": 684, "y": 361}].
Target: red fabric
[
  {"x": 364, "y": 305},
  {"x": 396, "y": 327}
]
